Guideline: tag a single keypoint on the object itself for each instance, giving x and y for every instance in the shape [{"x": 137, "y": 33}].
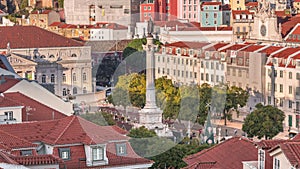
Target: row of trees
[{"x": 179, "y": 102}]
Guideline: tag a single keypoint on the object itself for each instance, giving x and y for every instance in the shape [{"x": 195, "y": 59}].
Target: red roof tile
[
  {"x": 250, "y": 4},
  {"x": 9, "y": 82},
  {"x": 291, "y": 150},
  {"x": 38, "y": 110},
  {"x": 37, "y": 159},
  {"x": 69, "y": 130},
  {"x": 289, "y": 24},
  {"x": 41, "y": 12},
  {"x": 234, "y": 47},
  {"x": 6, "y": 102},
  {"x": 216, "y": 47},
  {"x": 286, "y": 52},
  {"x": 169, "y": 23},
  {"x": 269, "y": 50},
  {"x": 252, "y": 48},
  {"x": 201, "y": 165},
  {"x": 211, "y": 3},
  {"x": 191, "y": 45},
  {"x": 9, "y": 142},
  {"x": 226, "y": 155},
  {"x": 120, "y": 130},
  {"x": 33, "y": 37},
  {"x": 267, "y": 144},
  {"x": 56, "y": 23}
]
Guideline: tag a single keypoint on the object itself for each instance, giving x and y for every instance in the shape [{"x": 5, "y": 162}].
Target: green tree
[
  {"x": 265, "y": 121},
  {"x": 61, "y": 3},
  {"x": 119, "y": 97},
  {"x": 100, "y": 118},
  {"x": 140, "y": 139},
  {"x": 205, "y": 94},
  {"x": 24, "y": 4},
  {"x": 141, "y": 132}
]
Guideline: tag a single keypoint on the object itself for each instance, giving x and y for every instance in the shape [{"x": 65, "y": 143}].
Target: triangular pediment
[{"x": 15, "y": 59}]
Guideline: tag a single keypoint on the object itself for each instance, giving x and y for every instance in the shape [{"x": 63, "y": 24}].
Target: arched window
[
  {"x": 43, "y": 56},
  {"x": 84, "y": 90},
  {"x": 74, "y": 90},
  {"x": 84, "y": 76},
  {"x": 64, "y": 92},
  {"x": 73, "y": 55},
  {"x": 52, "y": 78},
  {"x": 43, "y": 78},
  {"x": 74, "y": 77},
  {"x": 51, "y": 56}
]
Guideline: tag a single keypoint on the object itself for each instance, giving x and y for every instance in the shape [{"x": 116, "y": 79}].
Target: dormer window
[
  {"x": 244, "y": 16},
  {"x": 64, "y": 153},
  {"x": 237, "y": 17},
  {"x": 163, "y": 49},
  {"x": 121, "y": 149},
  {"x": 97, "y": 153},
  {"x": 26, "y": 152},
  {"x": 249, "y": 16}
]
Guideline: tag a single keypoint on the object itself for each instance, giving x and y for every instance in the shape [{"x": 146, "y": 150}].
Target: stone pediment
[{"x": 19, "y": 60}]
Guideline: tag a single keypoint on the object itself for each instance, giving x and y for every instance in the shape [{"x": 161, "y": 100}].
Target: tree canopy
[
  {"x": 265, "y": 121},
  {"x": 100, "y": 118}
]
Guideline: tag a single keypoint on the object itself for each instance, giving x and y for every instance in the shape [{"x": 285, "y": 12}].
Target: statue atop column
[{"x": 150, "y": 27}]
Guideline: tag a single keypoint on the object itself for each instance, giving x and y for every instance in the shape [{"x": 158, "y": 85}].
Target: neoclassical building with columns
[{"x": 60, "y": 64}]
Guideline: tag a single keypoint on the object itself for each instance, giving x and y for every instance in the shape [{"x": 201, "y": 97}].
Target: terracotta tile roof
[
  {"x": 69, "y": 130},
  {"x": 119, "y": 130},
  {"x": 250, "y": 4},
  {"x": 226, "y": 155},
  {"x": 252, "y": 48},
  {"x": 10, "y": 142},
  {"x": 268, "y": 144},
  {"x": 286, "y": 52},
  {"x": 269, "y": 50},
  {"x": 216, "y": 47},
  {"x": 38, "y": 110},
  {"x": 296, "y": 0},
  {"x": 234, "y": 47},
  {"x": 56, "y": 23},
  {"x": 4, "y": 64},
  {"x": 41, "y": 12},
  {"x": 33, "y": 37},
  {"x": 282, "y": 14},
  {"x": 212, "y": 3},
  {"x": 6, "y": 102},
  {"x": 291, "y": 150},
  {"x": 289, "y": 24},
  {"x": 116, "y": 26},
  {"x": 201, "y": 165},
  {"x": 189, "y": 45},
  {"x": 37, "y": 159},
  {"x": 9, "y": 82},
  {"x": 4, "y": 158}
]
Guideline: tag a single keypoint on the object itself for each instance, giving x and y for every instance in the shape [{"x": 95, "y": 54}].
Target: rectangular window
[
  {"x": 290, "y": 75},
  {"x": 182, "y": 73},
  {"x": 261, "y": 159},
  {"x": 290, "y": 90},
  {"x": 202, "y": 76},
  {"x": 290, "y": 120},
  {"x": 26, "y": 152},
  {"x": 207, "y": 77},
  {"x": 290, "y": 104},
  {"x": 158, "y": 70},
  {"x": 9, "y": 115},
  {"x": 239, "y": 73},
  {"x": 277, "y": 164},
  {"x": 212, "y": 78},
  {"x": 281, "y": 73},
  {"x": 97, "y": 154},
  {"x": 298, "y": 91},
  {"x": 121, "y": 149},
  {"x": 281, "y": 88},
  {"x": 195, "y": 75},
  {"x": 298, "y": 76},
  {"x": 212, "y": 65},
  {"x": 217, "y": 66},
  {"x": 64, "y": 153},
  {"x": 281, "y": 102},
  {"x": 178, "y": 73},
  {"x": 174, "y": 72},
  {"x": 297, "y": 121},
  {"x": 269, "y": 99}
]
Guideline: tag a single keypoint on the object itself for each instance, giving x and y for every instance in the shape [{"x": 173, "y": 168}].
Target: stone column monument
[{"x": 150, "y": 116}]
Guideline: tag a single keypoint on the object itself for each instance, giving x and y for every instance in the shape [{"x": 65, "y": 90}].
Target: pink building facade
[{"x": 188, "y": 9}]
